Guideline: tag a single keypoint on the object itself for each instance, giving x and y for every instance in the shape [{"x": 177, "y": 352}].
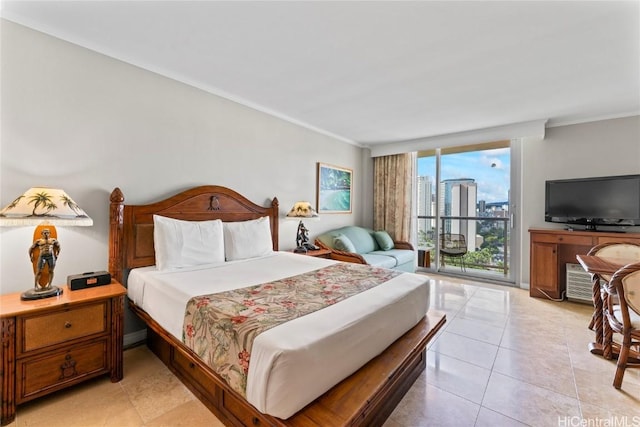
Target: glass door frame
[{"x": 511, "y": 253}]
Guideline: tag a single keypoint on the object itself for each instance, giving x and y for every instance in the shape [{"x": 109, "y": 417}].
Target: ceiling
[{"x": 375, "y": 72}]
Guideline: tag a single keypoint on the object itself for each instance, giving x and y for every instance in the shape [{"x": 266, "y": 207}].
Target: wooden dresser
[
  {"x": 53, "y": 343},
  {"x": 552, "y": 250}
]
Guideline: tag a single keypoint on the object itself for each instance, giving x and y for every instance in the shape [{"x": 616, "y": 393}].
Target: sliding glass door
[{"x": 463, "y": 210}]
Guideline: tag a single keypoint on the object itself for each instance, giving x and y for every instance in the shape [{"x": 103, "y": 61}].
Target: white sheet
[{"x": 294, "y": 363}]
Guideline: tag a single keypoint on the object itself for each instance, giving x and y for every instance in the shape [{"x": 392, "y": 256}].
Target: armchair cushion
[
  {"x": 379, "y": 260},
  {"x": 633, "y": 317},
  {"x": 384, "y": 240},
  {"x": 401, "y": 255},
  {"x": 342, "y": 243}
]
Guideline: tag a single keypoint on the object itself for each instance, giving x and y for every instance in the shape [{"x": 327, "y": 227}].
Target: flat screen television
[{"x": 592, "y": 202}]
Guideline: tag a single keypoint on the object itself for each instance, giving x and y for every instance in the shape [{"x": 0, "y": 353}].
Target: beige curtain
[{"x": 393, "y": 178}]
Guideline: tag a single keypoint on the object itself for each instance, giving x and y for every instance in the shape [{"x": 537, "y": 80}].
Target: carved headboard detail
[{"x": 131, "y": 226}]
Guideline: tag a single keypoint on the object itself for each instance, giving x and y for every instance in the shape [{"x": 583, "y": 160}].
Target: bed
[{"x": 364, "y": 397}]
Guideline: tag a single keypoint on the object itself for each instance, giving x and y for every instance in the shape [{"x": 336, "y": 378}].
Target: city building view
[{"x": 471, "y": 228}]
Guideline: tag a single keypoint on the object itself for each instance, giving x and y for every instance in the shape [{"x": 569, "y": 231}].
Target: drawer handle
[
  {"x": 68, "y": 368},
  {"x": 255, "y": 421},
  {"x": 67, "y": 324},
  {"x": 192, "y": 365}
]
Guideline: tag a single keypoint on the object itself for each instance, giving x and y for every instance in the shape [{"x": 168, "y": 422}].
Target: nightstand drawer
[
  {"x": 64, "y": 325},
  {"x": 39, "y": 376}
]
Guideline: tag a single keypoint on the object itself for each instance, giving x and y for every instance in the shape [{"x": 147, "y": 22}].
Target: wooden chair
[
  {"x": 623, "y": 315},
  {"x": 620, "y": 250},
  {"x": 454, "y": 246}
]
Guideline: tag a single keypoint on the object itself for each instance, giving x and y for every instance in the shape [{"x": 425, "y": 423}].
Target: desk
[{"x": 598, "y": 266}]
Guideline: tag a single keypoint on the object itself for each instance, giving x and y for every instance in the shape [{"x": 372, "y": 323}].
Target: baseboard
[{"x": 134, "y": 338}]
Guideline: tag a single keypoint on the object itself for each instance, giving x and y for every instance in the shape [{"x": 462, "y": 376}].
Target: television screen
[{"x": 613, "y": 200}]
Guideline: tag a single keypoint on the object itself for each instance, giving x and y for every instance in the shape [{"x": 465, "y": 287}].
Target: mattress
[{"x": 293, "y": 363}]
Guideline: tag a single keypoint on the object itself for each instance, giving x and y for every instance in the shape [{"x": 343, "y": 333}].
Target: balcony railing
[{"x": 487, "y": 241}]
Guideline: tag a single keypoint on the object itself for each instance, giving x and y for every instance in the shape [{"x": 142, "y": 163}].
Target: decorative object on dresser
[
  {"x": 303, "y": 210},
  {"x": 45, "y": 208},
  {"x": 335, "y": 189},
  {"x": 54, "y": 343},
  {"x": 88, "y": 280}
]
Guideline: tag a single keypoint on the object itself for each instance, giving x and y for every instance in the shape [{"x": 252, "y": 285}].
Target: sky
[{"x": 489, "y": 168}]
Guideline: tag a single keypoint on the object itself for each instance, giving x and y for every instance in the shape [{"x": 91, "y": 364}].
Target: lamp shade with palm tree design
[
  {"x": 40, "y": 204},
  {"x": 44, "y": 208}
]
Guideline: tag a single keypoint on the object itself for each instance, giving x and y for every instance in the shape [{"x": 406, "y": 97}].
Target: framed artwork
[{"x": 335, "y": 186}]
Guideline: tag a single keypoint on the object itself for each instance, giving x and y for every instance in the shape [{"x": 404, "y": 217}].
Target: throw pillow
[
  {"x": 343, "y": 243},
  {"x": 384, "y": 240}
]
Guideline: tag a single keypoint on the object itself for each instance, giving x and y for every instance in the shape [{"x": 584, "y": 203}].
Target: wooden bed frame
[{"x": 367, "y": 397}]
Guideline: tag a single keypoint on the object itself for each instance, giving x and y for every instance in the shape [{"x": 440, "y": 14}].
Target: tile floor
[{"x": 502, "y": 359}]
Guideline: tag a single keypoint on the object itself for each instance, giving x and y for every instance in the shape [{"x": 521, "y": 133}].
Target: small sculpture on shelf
[{"x": 302, "y": 238}]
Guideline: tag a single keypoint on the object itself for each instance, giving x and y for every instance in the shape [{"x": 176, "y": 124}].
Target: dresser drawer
[
  {"x": 562, "y": 239},
  {"x": 40, "y": 375},
  {"x": 617, "y": 239},
  {"x": 56, "y": 327}
]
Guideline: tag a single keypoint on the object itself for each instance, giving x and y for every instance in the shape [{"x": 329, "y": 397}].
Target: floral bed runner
[{"x": 221, "y": 327}]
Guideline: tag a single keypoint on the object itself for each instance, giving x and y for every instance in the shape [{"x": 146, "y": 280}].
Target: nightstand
[
  {"x": 320, "y": 253},
  {"x": 53, "y": 343}
]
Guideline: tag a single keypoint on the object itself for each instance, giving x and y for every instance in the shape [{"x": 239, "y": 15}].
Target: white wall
[
  {"x": 78, "y": 120},
  {"x": 84, "y": 122},
  {"x": 601, "y": 148}
]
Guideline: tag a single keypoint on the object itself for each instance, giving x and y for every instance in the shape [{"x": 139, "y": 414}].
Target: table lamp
[
  {"x": 45, "y": 208},
  {"x": 302, "y": 210}
]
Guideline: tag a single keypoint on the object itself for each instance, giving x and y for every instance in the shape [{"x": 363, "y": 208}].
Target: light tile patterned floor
[{"x": 502, "y": 359}]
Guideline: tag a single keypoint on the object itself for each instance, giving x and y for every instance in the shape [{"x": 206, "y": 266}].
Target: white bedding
[{"x": 294, "y": 363}]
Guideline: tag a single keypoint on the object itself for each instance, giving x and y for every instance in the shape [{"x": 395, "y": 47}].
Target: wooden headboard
[{"x": 131, "y": 226}]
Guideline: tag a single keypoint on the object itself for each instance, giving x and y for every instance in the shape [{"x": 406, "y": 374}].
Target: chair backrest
[
  {"x": 625, "y": 284},
  {"x": 626, "y": 250},
  {"x": 453, "y": 241},
  {"x": 631, "y": 286},
  {"x": 621, "y": 250}
]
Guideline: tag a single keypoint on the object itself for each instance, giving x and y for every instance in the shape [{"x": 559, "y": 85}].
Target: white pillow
[
  {"x": 247, "y": 239},
  {"x": 181, "y": 244}
]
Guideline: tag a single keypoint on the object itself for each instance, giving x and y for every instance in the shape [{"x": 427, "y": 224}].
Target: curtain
[{"x": 393, "y": 178}]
